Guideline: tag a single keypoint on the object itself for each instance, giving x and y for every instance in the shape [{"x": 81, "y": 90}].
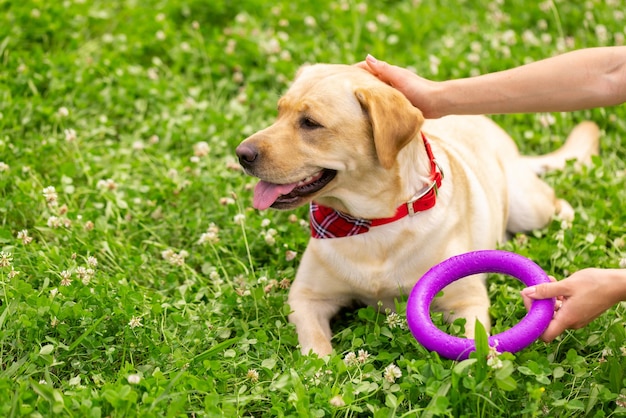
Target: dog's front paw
[
  {"x": 565, "y": 211},
  {"x": 319, "y": 346}
]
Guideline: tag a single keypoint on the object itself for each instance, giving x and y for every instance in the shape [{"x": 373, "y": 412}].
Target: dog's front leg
[{"x": 312, "y": 317}]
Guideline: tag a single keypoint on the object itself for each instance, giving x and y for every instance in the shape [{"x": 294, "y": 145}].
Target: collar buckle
[
  {"x": 410, "y": 204},
  {"x": 434, "y": 186}
]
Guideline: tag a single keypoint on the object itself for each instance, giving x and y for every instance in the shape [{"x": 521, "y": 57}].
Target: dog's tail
[{"x": 581, "y": 144}]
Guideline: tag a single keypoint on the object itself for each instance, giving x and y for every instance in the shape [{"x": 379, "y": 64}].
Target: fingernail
[
  {"x": 529, "y": 291},
  {"x": 371, "y": 59}
]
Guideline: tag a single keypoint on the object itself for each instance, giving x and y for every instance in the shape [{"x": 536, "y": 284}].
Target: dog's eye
[{"x": 308, "y": 123}]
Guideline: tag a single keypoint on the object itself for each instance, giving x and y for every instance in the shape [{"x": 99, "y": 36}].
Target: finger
[
  {"x": 372, "y": 62},
  {"x": 378, "y": 68},
  {"x": 363, "y": 65},
  {"x": 555, "y": 328},
  {"x": 547, "y": 290},
  {"x": 527, "y": 301},
  {"x": 563, "y": 319}
]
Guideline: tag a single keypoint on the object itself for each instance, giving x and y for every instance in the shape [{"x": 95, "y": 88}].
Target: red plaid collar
[{"x": 330, "y": 223}]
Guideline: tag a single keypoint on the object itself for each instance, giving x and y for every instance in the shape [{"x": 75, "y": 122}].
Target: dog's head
[{"x": 339, "y": 130}]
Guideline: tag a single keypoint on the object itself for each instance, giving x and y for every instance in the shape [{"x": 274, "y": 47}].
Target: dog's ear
[{"x": 395, "y": 121}]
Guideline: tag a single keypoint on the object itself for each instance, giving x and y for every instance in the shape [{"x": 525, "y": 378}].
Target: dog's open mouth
[{"x": 286, "y": 196}]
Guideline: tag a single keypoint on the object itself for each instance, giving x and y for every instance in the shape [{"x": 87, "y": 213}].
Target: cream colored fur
[{"x": 370, "y": 134}]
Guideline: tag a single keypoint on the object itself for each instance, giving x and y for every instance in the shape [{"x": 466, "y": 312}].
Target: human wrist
[
  {"x": 616, "y": 279},
  {"x": 440, "y": 102}
]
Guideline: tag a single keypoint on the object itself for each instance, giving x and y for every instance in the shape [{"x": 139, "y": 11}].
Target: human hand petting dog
[
  {"x": 581, "y": 298},
  {"x": 576, "y": 80}
]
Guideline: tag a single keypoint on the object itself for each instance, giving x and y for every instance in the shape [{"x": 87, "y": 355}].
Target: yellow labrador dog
[{"x": 392, "y": 194}]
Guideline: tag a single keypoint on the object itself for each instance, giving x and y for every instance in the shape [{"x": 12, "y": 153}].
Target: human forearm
[{"x": 573, "y": 81}]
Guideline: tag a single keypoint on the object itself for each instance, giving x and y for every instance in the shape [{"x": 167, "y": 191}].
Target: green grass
[{"x": 120, "y": 306}]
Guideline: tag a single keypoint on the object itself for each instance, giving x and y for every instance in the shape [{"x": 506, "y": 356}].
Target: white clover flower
[
  {"x": 50, "y": 194},
  {"x": 509, "y": 37},
  {"x": 4, "y": 166},
  {"x": 225, "y": 201},
  {"x": 54, "y": 222},
  {"x": 138, "y": 145},
  {"x": 23, "y": 235},
  {"x": 391, "y": 373},
  {"x": 273, "y": 46},
  {"x": 252, "y": 375},
  {"x": 70, "y": 135},
  {"x": 6, "y": 259},
  {"x": 239, "y": 218},
  {"x": 201, "y": 149},
  {"x": 92, "y": 261},
  {"x": 350, "y": 358},
  {"x": 546, "y": 119},
  {"x": 337, "y": 401},
  {"x": 208, "y": 237},
  {"x": 211, "y": 234},
  {"x": 177, "y": 259},
  {"x": 63, "y": 112},
  {"x": 493, "y": 357},
  {"x": 135, "y": 322},
  {"x": 152, "y": 73},
  {"x": 133, "y": 379},
  {"x": 434, "y": 64},
  {"x": 85, "y": 274},
  {"x": 362, "y": 356},
  {"x": 394, "y": 320},
  {"x": 106, "y": 184},
  {"x": 231, "y": 45},
  {"x": 601, "y": 33},
  {"x": 290, "y": 255}
]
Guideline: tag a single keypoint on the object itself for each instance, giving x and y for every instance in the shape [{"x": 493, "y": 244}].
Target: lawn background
[{"x": 151, "y": 288}]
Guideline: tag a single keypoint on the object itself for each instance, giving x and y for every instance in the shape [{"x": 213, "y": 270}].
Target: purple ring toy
[{"x": 486, "y": 261}]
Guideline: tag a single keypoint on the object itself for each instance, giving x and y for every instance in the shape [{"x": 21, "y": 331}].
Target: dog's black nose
[{"x": 247, "y": 154}]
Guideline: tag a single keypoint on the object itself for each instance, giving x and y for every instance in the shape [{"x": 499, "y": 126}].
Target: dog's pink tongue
[{"x": 266, "y": 193}]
